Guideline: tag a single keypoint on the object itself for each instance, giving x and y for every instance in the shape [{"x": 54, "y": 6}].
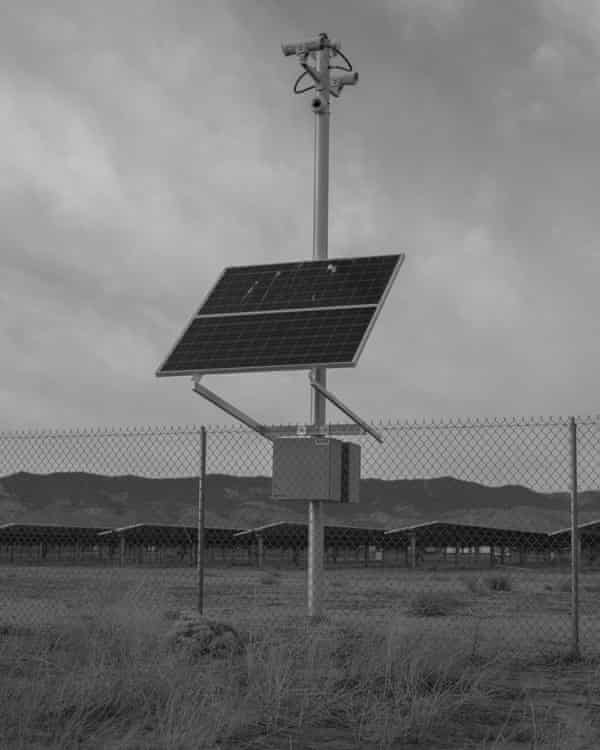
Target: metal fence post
[
  {"x": 201, "y": 514},
  {"x": 574, "y": 542}
]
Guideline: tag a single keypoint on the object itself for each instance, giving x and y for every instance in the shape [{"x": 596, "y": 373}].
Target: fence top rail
[
  {"x": 195, "y": 429},
  {"x": 441, "y": 423},
  {"x": 92, "y": 432}
]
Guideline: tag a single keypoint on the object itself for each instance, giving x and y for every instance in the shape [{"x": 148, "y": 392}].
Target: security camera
[
  {"x": 318, "y": 104},
  {"x": 312, "y": 45},
  {"x": 347, "y": 79}
]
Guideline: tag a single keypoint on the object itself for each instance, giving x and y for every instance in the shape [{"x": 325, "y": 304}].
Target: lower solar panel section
[{"x": 281, "y": 340}]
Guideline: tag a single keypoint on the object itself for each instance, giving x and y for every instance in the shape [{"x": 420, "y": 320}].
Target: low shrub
[
  {"x": 271, "y": 578},
  {"x": 498, "y": 582},
  {"x": 433, "y": 604},
  {"x": 473, "y": 584}
]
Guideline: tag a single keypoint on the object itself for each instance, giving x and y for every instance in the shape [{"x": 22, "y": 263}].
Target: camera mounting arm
[
  {"x": 324, "y": 83},
  {"x": 310, "y": 70}
]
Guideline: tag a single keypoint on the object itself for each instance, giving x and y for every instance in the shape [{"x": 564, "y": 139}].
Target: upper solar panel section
[
  {"x": 285, "y": 316},
  {"x": 286, "y": 286}
]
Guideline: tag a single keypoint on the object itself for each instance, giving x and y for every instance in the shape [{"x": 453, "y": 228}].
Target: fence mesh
[
  {"x": 462, "y": 527},
  {"x": 62, "y": 496}
]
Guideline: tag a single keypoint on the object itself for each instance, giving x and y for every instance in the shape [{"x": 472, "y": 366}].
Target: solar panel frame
[{"x": 161, "y": 372}]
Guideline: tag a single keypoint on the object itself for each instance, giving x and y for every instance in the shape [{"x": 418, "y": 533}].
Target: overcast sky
[{"x": 146, "y": 145}]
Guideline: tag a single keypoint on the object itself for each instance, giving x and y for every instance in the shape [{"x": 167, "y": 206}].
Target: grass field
[
  {"x": 525, "y": 609},
  {"x": 459, "y": 659}
]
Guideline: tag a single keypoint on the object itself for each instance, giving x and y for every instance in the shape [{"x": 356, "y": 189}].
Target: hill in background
[{"x": 243, "y": 502}]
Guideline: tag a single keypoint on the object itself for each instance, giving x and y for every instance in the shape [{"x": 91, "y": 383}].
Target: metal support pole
[
  {"x": 260, "y": 551},
  {"x": 574, "y": 542},
  {"x": 324, "y": 84},
  {"x": 413, "y": 550},
  {"x": 201, "y": 515},
  {"x": 319, "y": 374}
]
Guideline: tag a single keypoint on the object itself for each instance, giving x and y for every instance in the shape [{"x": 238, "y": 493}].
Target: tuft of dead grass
[
  {"x": 473, "y": 584},
  {"x": 433, "y": 604},
  {"x": 498, "y": 582},
  {"x": 270, "y": 578},
  {"x": 478, "y": 584}
]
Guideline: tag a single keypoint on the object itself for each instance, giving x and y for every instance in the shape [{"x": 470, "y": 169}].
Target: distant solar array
[{"x": 285, "y": 316}]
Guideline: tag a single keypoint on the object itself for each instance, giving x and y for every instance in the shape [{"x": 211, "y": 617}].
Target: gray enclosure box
[{"x": 316, "y": 468}]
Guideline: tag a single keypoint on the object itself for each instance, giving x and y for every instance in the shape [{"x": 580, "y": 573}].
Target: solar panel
[
  {"x": 285, "y": 286},
  {"x": 285, "y": 316}
]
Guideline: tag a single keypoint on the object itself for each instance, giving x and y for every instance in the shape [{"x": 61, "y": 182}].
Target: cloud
[
  {"x": 479, "y": 278},
  {"x": 440, "y": 14},
  {"x": 48, "y": 145},
  {"x": 142, "y": 150},
  {"x": 581, "y": 18}
]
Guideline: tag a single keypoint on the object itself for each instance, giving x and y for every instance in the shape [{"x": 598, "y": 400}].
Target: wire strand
[
  {"x": 302, "y": 91},
  {"x": 337, "y": 67}
]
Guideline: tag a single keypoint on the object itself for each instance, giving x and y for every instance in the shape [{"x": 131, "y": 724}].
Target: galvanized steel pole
[
  {"x": 320, "y": 250},
  {"x": 325, "y": 85},
  {"x": 201, "y": 516},
  {"x": 574, "y": 542}
]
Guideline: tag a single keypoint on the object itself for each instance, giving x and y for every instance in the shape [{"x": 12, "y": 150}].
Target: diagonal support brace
[
  {"x": 346, "y": 409},
  {"x": 311, "y": 71},
  {"x": 233, "y": 411}
]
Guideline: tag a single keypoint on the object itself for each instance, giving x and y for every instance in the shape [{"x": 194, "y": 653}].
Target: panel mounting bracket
[
  {"x": 346, "y": 409},
  {"x": 272, "y": 432},
  {"x": 229, "y": 408}
]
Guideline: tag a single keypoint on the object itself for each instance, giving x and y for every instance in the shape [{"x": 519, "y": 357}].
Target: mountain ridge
[{"x": 81, "y": 498}]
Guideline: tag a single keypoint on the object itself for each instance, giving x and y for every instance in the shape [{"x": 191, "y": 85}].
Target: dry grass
[
  {"x": 434, "y": 604},
  {"x": 478, "y": 584},
  {"x": 113, "y": 682},
  {"x": 498, "y": 582},
  {"x": 531, "y": 618},
  {"x": 110, "y": 679},
  {"x": 270, "y": 578}
]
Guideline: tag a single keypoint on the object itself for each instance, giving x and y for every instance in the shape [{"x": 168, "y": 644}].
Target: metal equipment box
[{"x": 316, "y": 468}]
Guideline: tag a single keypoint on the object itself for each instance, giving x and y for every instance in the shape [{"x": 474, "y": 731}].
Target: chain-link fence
[{"x": 462, "y": 527}]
